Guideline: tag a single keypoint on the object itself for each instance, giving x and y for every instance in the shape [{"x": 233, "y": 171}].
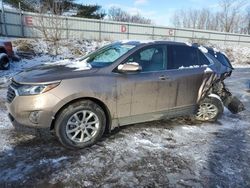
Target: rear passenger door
[{"x": 185, "y": 64}]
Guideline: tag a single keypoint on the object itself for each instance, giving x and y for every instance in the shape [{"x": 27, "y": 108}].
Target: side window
[
  {"x": 182, "y": 57},
  {"x": 151, "y": 58},
  {"x": 146, "y": 55},
  {"x": 203, "y": 59}
]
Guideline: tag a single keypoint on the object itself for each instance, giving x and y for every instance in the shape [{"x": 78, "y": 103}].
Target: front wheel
[
  {"x": 210, "y": 109},
  {"x": 80, "y": 124}
]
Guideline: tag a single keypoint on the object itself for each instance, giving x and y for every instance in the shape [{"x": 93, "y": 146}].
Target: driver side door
[{"x": 139, "y": 93}]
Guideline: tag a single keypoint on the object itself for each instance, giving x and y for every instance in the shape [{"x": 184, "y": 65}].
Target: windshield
[{"x": 107, "y": 55}]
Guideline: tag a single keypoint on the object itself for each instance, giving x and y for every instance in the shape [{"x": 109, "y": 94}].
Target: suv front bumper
[{"x": 34, "y": 111}]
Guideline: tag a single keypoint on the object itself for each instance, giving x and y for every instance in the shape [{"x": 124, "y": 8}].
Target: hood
[{"x": 56, "y": 71}]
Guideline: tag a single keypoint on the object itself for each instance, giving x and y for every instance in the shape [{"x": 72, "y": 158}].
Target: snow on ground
[
  {"x": 168, "y": 153},
  {"x": 238, "y": 55},
  {"x": 38, "y": 52}
]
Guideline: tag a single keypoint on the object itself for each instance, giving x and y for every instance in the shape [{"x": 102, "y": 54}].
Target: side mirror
[{"x": 129, "y": 67}]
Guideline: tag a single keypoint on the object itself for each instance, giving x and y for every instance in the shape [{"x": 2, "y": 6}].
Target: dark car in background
[
  {"x": 6, "y": 54},
  {"x": 122, "y": 83}
]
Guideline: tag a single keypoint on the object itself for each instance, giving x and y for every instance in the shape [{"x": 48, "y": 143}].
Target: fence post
[
  {"x": 153, "y": 33},
  {"x": 175, "y": 31},
  {"x": 100, "y": 30},
  {"x": 1, "y": 29},
  {"x": 193, "y": 35},
  {"x": 225, "y": 38},
  {"x": 21, "y": 20},
  {"x": 4, "y": 21},
  {"x": 67, "y": 27},
  {"x": 22, "y": 26},
  {"x": 128, "y": 32}
]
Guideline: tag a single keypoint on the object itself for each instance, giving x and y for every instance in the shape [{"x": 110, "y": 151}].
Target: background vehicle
[
  {"x": 6, "y": 53},
  {"x": 119, "y": 84}
]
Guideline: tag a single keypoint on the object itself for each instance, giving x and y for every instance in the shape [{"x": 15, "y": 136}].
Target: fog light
[{"x": 34, "y": 117}]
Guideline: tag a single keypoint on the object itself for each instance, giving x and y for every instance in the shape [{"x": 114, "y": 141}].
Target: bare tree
[
  {"x": 230, "y": 18},
  {"x": 117, "y": 14},
  {"x": 194, "y": 18},
  {"x": 230, "y": 13},
  {"x": 248, "y": 20},
  {"x": 50, "y": 24}
]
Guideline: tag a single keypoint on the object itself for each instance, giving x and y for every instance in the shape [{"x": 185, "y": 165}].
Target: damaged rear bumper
[{"x": 213, "y": 84}]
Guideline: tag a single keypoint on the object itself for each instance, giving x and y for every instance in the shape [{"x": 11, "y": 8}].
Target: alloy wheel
[
  {"x": 82, "y": 126},
  {"x": 207, "y": 111}
]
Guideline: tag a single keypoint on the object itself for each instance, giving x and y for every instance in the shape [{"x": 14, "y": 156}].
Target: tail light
[{"x": 8, "y": 47}]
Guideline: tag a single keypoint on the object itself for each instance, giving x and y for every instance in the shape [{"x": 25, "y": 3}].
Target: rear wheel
[
  {"x": 210, "y": 109},
  {"x": 80, "y": 124},
  {"x": 4, "y": 62}
]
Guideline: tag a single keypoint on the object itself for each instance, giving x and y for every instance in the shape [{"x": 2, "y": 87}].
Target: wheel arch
[
  {"x": 3, "y": 50},
  {"x": 97, "y": 101}
]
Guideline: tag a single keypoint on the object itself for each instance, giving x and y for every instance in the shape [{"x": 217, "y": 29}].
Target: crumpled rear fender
[
  {"x": 212, "y": 83},
  {"x": 207, "y": 84}
]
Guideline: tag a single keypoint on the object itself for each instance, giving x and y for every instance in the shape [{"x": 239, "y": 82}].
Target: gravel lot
[{"x": 169, "y": 153}]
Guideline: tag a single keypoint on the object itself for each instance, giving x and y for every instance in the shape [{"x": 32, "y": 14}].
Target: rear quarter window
[
  {"x": 202, "y": 59},
  {"x": 182, "y": 56}
]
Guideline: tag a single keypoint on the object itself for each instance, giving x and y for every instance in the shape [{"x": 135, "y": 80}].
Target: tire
[
  {"x": 210, "y": 109},
  {"x": 77, "y": 117},
  {"x": 4, "y": 62}
]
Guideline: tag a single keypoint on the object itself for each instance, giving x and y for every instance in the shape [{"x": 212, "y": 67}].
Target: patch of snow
[
  {"x": 192, "y": 66},
  {"x": 53, "y": 161},
  {"x": 203, "y": 49},
  {"x": 132, "y": 63},
  {"x": 43, "y": 53},
  {"x": 76, "y": 64},
  {"x": 238, "y": 55},
  {"x": 207, "y": 70},
  {"x": 137, "y": 41},
  {"x": 216, "y": 50},
  {"x": 188, "y": 43}
]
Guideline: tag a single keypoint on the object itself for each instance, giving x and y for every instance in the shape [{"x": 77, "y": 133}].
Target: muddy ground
[{"x": 169, "y": 153}]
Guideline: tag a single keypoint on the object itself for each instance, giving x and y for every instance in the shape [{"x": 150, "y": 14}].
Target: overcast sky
[{"x": 160, "y": 11}]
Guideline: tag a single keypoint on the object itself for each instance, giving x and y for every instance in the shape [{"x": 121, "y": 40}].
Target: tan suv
[{"x": 123, "y": 83}]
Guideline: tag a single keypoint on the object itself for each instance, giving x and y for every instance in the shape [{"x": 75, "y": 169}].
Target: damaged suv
[{"x": 122, "y": 83}]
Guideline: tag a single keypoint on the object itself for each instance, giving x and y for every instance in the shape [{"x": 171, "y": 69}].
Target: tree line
[
  {"x": 72, "y": 8},
  {"x": 232, "y": 16}
]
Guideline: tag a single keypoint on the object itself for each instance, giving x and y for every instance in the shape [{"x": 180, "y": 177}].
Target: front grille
[
  {"x": 11, "y": 91},
  {"x": 10, "y": 95}
]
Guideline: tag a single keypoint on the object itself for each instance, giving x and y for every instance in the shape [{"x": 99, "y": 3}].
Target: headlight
[{"x": 35, "y": 89}]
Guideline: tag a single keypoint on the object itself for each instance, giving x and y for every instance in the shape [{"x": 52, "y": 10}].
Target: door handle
[{"x": 164, "y": 77}]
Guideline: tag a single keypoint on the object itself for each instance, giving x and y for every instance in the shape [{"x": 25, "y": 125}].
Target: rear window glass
[
  {"x": 183, "y": 56},
  {"x": 223, "y": 60},
  {"x": 220, "y": 57}
]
